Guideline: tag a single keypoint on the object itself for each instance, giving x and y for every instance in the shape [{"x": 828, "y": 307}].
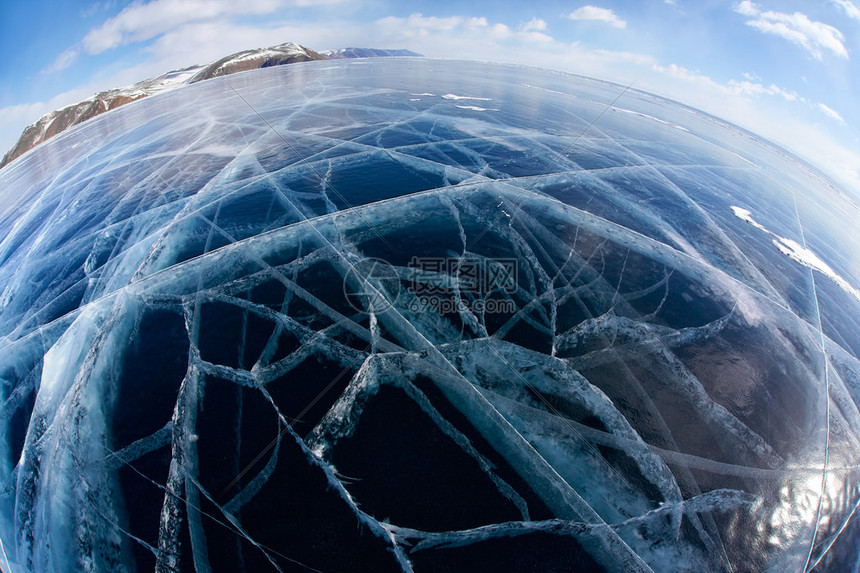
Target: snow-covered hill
[{"x": 62, "y": 119}]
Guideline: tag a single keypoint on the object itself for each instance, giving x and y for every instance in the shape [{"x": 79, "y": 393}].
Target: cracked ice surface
[{"x": 200, "y": 371}]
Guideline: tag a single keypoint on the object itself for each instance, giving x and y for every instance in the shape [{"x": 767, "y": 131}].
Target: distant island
[{"x": 62, "y": 119}]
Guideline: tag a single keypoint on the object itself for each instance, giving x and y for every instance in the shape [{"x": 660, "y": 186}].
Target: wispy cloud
[
  {"x": 63, "y": 61},
  {"x": 832, "y": 114},
  {"x": 751, "y": 86},
  {"x": 95, "y": 8},
  {"x": 598, "y": 14},
  {"x": 459, "y": 30},
  {"x": 420, "y": 24},
  {"x": 143, "y": 21},
  {"x": 814, "y": 37},
  {"x": 755, "y": 88},
  {"x": 850, "y": 9}
]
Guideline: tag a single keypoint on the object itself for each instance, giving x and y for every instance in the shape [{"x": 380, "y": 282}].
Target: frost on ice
[{"x": 199, "y": 371}]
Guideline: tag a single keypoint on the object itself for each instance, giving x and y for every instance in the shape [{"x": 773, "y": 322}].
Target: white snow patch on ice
[
  {"x": 798, "y": 253},
  {"x": 476, "y": 108},
  {"x": 459, "y": 97},
  {"x": 746, "y": 215}
]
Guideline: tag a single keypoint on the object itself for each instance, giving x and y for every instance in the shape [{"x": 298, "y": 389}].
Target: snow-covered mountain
[
  {"x": 288, "y": 53},
  {"x": 60, "y": 120}
]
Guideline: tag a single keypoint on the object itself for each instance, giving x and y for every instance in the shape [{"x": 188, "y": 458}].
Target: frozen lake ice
[{"x": 425, "y": 315}]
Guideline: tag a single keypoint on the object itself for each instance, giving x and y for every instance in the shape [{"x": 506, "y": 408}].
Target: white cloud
[
  {"x": 851, "y": 10},
  {"x": 599, "y": 14},
  {"x": 63, "y": 61},
  {"x": 747, "y": 8},
  {"x": 810, "y": 35},
  {"x": 95, "y": 8},
  {"x": 533, "y": 25},
  {"x": 476, "y": 22},
  {"x": 425, "y": 23},
  {"x": 452, "y": 33},
  {"x": 750, "y": 87},
  {"x": 755, "y": 88},
  {"x": 831, "y": 113},
  {"x": 143, "y": 21}
]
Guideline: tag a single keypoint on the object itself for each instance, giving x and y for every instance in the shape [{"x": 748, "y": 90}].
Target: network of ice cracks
[{"x": 200, "y": 371}]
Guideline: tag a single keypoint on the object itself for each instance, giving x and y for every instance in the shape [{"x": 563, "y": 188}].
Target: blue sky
[{"x": 787, "y": 70}]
